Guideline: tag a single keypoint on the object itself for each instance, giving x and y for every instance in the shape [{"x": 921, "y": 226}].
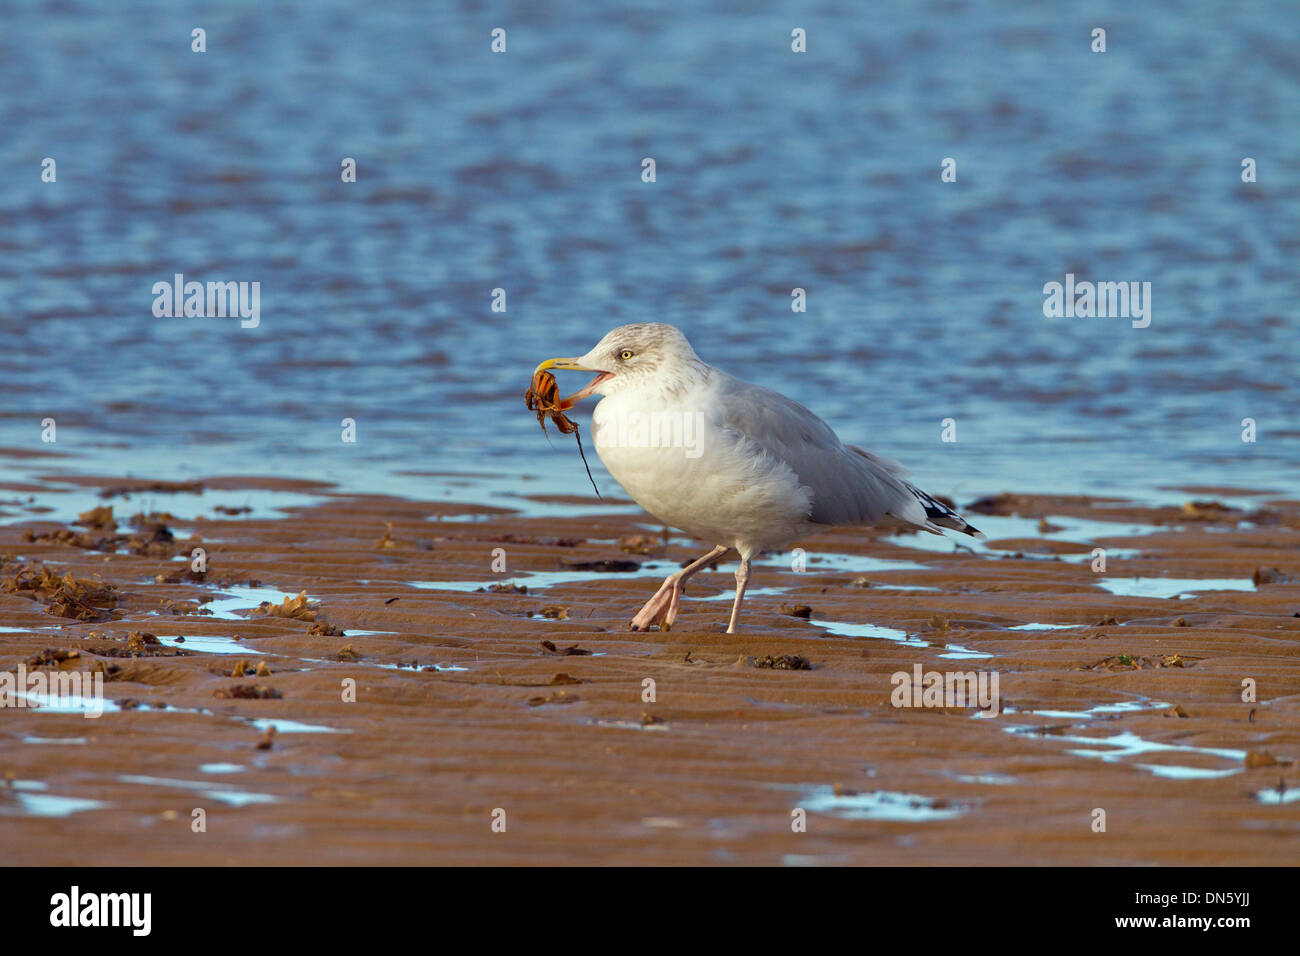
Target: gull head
[{"x": 647, "y": 353}]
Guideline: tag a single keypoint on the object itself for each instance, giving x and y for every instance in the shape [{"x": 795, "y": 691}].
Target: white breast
[{"x": 672, "y": 457}]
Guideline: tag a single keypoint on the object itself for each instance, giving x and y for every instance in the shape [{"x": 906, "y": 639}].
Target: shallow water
[
  {"x": 209, "y": 644},
  {"x": 851, "y": 629},
  {"x": 231, "y": 796},
  {"x": 895, "y": 636},
  {"x": 30, "y": 798},
  {"x": 294, "y": 726},
  {"x": 71, "y": 704},
  {"x": 47, "y": 741},
  {"x": 541, "y": 580},
  {"x": 1037, "y": 626},
  {"x": 1181, "y": 588},
  {"x": 984, "y": 779},
  {"x": 775, "y": 170},
  {"x": 960, "y": 653},
  {"x": 880, "y": 805},
  {"x": 1101, "y": 710},
  {"x": 1125, "y": 744},
  {"x": 1278, "y": 795},
  {"x": 235, "y": 602}
]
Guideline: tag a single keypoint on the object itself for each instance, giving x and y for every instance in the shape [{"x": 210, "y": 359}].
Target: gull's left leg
[
  {"x": 675, "y": 599},
  {"x": 742, "y": 579},
  {"x": 662, "y": 608}
]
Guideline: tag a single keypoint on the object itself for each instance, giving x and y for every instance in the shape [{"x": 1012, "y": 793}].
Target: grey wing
[
  {"x": 850, "y": 486},
  {"x": 936, "y": 512}
]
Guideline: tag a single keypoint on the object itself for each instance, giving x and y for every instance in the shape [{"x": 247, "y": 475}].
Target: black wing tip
[{"x": 943, "y": 514}]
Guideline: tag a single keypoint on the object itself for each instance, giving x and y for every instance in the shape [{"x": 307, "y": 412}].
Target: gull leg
[
  {"x": 654, "y": 608},
  {"x": 742, "y": 579},
  {"x": 662, "y": 608},
  {"x": 675, "y": 599}
]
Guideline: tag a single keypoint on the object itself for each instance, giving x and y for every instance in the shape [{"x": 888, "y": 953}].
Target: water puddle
[
  {"x": 395, "y": 666},
  {"x": 1100, "y": 710},
  {"x": 1043, "y": 627},
  {"x": 484, "y": 491},
  {"x": 957, "y": 652},
  {"x": 64, "y": 503},
  {"x": 880, "y": 805},
  {"x": 1185, "y": 773},
  {"x": 76, "y": 704},
  {"x": 34, "y": 801},
  {"x": 50, "y": 741},
  {"x": 1084, "y": 531},
  {"x": 234, "y": 603},
  {"x": 238, "y": 600},
  {"x": 829, "y": 561},
  {"x": 902, "y": 587},
  {"x": 631, "y": 725},
  {"x": 846, "y": 629},
  {"x": 1112, "y": 554},
  {"x": 221, "y": 768},
  {"x": 1277, "y": 796},
  {"x": 730, "y": 596},
  {"x": 986, "y": 779},
  {"x": 71, "y": 704},
  {"x": 209, "y": 644},
  {"x": 1181, "y": 588},
  {"x": 293, "y": 726},
  {"x": 230, "y": 796},
  {"x": 540, "y": 580},
  {"x": 1127, "y": 744},
  {"x": 1063, "y": 528}
]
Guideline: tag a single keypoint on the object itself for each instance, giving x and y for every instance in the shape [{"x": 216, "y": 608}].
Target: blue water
[{"x": 775, "y": 170}]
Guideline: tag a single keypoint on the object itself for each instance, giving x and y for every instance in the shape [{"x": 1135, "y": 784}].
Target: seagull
[{"x": 732, "y": 464}]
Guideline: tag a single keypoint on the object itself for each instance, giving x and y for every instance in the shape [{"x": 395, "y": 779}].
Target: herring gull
[{"x": 735, "y": 465}]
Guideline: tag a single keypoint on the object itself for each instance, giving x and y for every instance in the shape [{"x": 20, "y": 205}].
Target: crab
[{"x": 543, "y": 397}]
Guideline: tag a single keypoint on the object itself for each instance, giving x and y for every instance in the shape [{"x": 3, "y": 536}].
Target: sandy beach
[{"x": 503, "y": 713}]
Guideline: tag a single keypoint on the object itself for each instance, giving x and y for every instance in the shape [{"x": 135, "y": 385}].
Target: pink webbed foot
[{"x": 660, "y": 609}]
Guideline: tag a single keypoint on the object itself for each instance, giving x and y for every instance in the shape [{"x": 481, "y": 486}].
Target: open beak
[{"x": 572, "y": 364}]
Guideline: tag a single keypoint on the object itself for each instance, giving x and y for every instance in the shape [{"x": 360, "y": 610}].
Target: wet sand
[{"x": 470, "y": 702}]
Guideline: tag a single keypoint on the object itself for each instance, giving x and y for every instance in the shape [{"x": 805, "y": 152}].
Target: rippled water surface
[{"x": 775, "y": 170}]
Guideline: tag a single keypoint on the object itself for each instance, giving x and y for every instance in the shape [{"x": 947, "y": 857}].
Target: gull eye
[{"x": 625, "y": 355}]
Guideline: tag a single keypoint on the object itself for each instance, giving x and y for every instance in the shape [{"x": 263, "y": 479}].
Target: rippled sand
[{"x": 472, "y": 702}]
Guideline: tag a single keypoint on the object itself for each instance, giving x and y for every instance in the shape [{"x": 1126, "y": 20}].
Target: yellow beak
[{"x": 567, "y": 364}]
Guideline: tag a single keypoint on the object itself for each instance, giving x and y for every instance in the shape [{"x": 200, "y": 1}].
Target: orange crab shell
[{"x": 543, "y": 397}]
